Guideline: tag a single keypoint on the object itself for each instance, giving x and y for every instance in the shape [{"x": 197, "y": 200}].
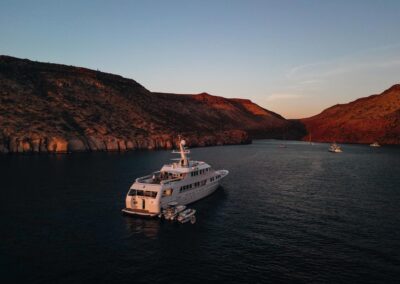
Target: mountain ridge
[
  {"x": 58, "y": 108},
  {"x": 364, "y": 120},
  {"x": 47, "y": 107}
]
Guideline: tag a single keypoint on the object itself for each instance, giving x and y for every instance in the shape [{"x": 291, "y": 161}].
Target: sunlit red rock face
[
  {"x": 57, "y": 108},
  {"x": 369, "y": 119}
]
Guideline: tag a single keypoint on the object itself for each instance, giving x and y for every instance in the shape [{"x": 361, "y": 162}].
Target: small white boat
[
  {"x": 335, "y": 148},
  {"x": 172, "y": 211},
  {"x": 375, "y": 144},
  {"x": 187, "y": 215}
]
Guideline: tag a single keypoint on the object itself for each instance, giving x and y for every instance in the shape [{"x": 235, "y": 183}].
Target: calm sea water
[{"x": 295, "y": 214}]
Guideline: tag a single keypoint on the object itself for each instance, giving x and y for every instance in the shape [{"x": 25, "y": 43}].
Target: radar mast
[{"x": 184, "y": 161}]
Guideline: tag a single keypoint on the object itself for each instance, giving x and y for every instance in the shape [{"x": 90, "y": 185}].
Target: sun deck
[
  {"x": 172, "y": 172},
  {"x": 158, "y": 178}
]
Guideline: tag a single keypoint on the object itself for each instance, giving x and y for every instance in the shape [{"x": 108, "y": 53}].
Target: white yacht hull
[
  {"x": 196, "y": 194},
  {"x": 134, "y": 212},
  {"x": 183, "y": 198}
]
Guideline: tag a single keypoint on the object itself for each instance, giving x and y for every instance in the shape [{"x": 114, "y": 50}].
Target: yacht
[
  {"x": 375, "y": 144},
  {"x": 183, "y": 181},
  {"x": 335, "y": 148}
]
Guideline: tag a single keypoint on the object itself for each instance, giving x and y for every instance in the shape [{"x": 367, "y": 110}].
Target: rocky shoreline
[{"x": 57, "y": 144}]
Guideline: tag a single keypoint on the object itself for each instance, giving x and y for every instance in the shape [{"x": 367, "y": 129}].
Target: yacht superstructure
[{"x": 183, "y": 181}]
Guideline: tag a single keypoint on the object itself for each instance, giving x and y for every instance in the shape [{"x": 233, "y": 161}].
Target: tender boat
[
  {"x": 172, "y": 211},
  {"x": 375, "y": 144},
  {"x": 187, "y": 215},
  {"x": 183, "y": 181},
  {"x": 335, "y": 148}
]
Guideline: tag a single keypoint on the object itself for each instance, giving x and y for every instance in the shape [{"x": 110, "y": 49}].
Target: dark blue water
[{"x": 296, "y": 214}]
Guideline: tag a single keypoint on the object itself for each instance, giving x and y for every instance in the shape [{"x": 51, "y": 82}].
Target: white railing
[{"x": 170, "y": 180}]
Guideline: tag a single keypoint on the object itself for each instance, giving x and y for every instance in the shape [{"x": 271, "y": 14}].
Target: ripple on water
[{"x": 295, "y": 214}]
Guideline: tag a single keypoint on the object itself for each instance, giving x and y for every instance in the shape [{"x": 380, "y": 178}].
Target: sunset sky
[{"x": 292, "y": 57}]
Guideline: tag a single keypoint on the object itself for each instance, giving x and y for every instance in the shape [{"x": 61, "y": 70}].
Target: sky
[{"x": 293, "y": 57}]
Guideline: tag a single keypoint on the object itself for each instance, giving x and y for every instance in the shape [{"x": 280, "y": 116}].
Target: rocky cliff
[
  {"x": 57, "y": 108},
  {"x": 369, "y": 119}
]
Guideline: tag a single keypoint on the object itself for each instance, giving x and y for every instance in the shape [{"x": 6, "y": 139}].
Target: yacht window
[
  {"x": 167, "y": 192},
  {"x": 132, "y": 192},
  {"x": 140, "y": 192},
  {"x": 152, "y": 194}
]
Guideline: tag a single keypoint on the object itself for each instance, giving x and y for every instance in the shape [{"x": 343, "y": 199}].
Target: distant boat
[
  {"x": 375, "y": 144},
  {"x": 309, "y": 139},
  {"x": 283, "y": 144},
  {"x": 335, "y": 148}
]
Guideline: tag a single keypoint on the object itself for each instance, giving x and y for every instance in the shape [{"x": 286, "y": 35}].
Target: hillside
[
  {"x": 57, "y": 108},
  {"x": 369, "y": 119}
]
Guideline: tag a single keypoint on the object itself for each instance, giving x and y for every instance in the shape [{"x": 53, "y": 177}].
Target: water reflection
[{"x": 149, "y": 227}]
